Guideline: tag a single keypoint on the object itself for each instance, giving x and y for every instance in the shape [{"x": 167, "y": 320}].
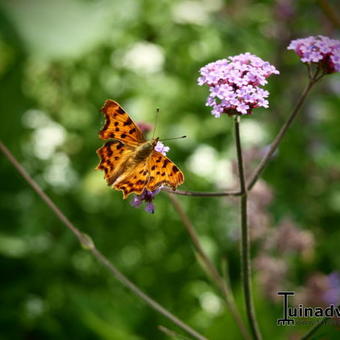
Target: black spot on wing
[
  {"x": 165, "y": 163},
  {"x": 128, "y": 122}
]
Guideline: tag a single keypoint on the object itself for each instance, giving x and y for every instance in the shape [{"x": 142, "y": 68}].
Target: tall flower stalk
[
  {"x": 245, "y": 240},
  {"x": 235, "y": 86}
]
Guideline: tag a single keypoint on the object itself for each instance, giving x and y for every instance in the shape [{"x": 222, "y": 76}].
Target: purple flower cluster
[
  {"x": 320, "y": 50},
  {"x": 332, "y": 294},
  {"x": 235, "y": 84},
  {"x": 148, "y": 196}
]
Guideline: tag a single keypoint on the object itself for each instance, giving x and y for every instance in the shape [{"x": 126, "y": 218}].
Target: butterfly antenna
[
  {"x": 164, "y": 139},
  {"x": 156, "y": 123}
]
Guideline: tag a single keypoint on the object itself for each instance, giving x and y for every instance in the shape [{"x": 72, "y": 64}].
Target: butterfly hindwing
[
  {"x": 135, "y": 180},
  {"x": 113, "y": 157},
  {"x": 163, "y": 172},
  {"x": 119, "y": 125}
]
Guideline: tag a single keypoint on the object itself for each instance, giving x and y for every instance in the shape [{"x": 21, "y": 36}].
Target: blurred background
[{"x": 59, "y": 61}]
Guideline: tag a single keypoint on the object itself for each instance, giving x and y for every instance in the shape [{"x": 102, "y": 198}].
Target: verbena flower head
[
  {"x": 319, "y": 50},
  {"x": 145, "y": 127},
  {"x": 148, "y": 196},
  {"x": 235, "y": 84}
]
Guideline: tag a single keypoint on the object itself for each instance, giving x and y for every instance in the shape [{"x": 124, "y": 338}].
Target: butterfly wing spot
[
  {"x": 119, "y": 125},
  {"x": 165, "y": 163},
  {"x": 128, "y": 122}
]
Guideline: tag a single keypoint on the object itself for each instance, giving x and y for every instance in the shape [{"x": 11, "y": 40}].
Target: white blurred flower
[
  {"x": 210, "y": 302},
  {"x": 190, "y": 12},
  {"x": 35, "y": 119},
  {"x": 252, "y": 133},
  {"x": 205, "y": 162},
  {"x": 47, "y": 134},
  {"x": 34, "y": 306},
  {"x": 59, "y": 172},
  {"x": 144, "y": 57}
]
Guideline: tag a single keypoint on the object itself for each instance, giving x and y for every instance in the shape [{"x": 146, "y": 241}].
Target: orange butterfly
[{"x": 131, "y": 164}]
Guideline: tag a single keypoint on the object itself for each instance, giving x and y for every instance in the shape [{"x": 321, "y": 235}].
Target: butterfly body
[
  {"x": 144, "y": 150},
  {"x": 131, "y": 163}
]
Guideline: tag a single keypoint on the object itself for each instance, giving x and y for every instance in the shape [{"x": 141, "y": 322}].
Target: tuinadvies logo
[{"x": 302, "y": 311}]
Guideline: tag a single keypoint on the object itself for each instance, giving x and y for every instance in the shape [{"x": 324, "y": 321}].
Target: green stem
[
  {"x": 316, "y": 327},
  {"x": 245, "y": 240},
  {"x": 210, "y": 268},
  {"x": 254, "y": 177}
]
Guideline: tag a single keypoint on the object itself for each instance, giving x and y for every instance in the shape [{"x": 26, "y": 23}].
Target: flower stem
[
  {"x": 202, "y": 193},
  {"x": 89, "y": 245},
  {"x": 316, "y": 327},
  {"x": 263, "y": 163},
  {"x": 245, "y": 240},
  {"x": 210, "y": 268}
]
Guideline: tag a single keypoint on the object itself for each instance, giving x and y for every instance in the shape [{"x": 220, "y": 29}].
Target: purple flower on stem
[
  {"x": 235, "y": 84},
  {"x": 320, "y": 50},
  {"x": 146, "y": 196}
]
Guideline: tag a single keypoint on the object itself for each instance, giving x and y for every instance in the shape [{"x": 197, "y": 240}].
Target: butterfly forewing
[
  {"x": 113, "y": 158},
  {"x": 163, "y": 172},
  {"x": 119, "y": 125}
]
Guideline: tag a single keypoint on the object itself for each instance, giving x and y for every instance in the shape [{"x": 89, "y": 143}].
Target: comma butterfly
[{"x": 131, "y": 164}]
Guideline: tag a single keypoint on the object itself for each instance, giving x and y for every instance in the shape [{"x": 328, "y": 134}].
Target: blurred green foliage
[{"x": 59, "y": 61}]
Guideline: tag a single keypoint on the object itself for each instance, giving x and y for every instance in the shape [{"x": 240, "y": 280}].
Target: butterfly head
[{"x": 154, "y": 142}]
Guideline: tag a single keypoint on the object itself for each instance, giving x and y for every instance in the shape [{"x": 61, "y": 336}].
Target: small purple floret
[
  {"x": 147, "y": 197},
  {"x": 160, "y": 147}
]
